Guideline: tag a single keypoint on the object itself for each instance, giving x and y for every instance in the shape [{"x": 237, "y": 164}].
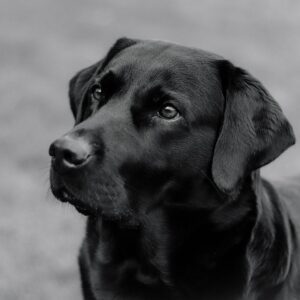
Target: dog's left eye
[
  {"x": 168, "y": 112},
  {"x": 97, "y": 92}
]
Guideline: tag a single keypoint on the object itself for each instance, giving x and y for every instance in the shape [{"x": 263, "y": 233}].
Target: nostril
[{"x": 75, "y": 158}]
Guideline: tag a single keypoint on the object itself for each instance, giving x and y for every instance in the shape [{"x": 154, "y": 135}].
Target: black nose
[{"x": 69, "y": 152}]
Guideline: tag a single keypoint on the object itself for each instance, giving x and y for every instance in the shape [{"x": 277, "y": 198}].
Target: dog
[{"x": 164, "y": 161}]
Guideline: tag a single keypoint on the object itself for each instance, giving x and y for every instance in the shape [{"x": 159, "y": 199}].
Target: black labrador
[{"x": 164, "y": 160}]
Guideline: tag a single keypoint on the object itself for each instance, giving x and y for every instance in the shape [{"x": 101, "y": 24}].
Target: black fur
[{"x": 177, "y": 208}]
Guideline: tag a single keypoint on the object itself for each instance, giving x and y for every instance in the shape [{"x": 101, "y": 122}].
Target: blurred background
[{"x": 43, "y": 43}]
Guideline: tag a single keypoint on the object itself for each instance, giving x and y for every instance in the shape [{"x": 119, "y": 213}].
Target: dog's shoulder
[
  {"x": 285, "y": 198},
  {"x": 288, "y": 191},
  {"x": 278, "y": 225}
]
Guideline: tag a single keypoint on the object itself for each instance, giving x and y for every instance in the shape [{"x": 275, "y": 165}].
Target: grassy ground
[{"x": 42, "y": 43}]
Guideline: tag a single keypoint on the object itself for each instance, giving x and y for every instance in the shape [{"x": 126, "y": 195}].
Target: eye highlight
[
  {"x": 168, "y": 111},
  {"x": 97, "y": 92}
]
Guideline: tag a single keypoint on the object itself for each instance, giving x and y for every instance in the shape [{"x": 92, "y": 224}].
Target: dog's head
[{"x": 155, "y": 123}]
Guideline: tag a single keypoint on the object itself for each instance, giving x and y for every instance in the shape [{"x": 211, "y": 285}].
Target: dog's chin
[{"x": 64, "y": 195}]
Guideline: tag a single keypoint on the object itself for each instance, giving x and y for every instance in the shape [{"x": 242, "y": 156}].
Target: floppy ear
[
  {"x": 254, "y": 130},
  {"x": 77, "y": 86},
  {"x": 79, "y": 83}
]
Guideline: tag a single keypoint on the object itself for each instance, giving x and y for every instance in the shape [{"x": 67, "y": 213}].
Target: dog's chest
[
  {"x": 118, "y": 263},
  {"x": 125, "y": 280}
]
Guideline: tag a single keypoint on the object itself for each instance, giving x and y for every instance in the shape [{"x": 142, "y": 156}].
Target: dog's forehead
[
  {"x": 151, "y": 58},
  {"x": 188, "y": 73},
  {"x": 176, "y": 67}
]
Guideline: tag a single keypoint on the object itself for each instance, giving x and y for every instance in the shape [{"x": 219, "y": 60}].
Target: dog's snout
[{"x": 69, "y": 152}]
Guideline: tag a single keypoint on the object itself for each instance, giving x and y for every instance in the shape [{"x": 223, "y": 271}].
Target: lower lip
[
  {"x": 70, "y": 199},
  {"x": 82, "y": 210}
]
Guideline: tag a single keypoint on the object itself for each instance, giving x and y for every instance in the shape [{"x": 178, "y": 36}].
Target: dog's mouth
[{"x": 64, "y": 195}]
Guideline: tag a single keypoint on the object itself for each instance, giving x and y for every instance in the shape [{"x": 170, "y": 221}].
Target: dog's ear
[
  {"x": 79, "y": 83},
  {"x": 254, "y": 130},
  {"x": 77, "y": 86}
]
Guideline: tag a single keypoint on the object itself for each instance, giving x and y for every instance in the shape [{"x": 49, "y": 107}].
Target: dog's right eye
[
  {"x": 168, "y": 111},
  {"x": 97, "y": 93}
]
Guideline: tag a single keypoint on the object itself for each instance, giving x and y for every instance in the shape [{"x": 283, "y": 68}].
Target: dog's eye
[
  {"x": 168, "y": 111},
  {"x": 97, "y": 92}
]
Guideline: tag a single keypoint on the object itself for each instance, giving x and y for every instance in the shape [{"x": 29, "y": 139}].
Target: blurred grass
[{"x": 42, "y": 43}]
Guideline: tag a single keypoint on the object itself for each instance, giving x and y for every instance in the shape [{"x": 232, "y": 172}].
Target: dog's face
[{"x": 156, "y": 123}]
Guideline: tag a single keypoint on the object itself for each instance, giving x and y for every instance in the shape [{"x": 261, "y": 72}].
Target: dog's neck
[{"x": 209, "y": 248}]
